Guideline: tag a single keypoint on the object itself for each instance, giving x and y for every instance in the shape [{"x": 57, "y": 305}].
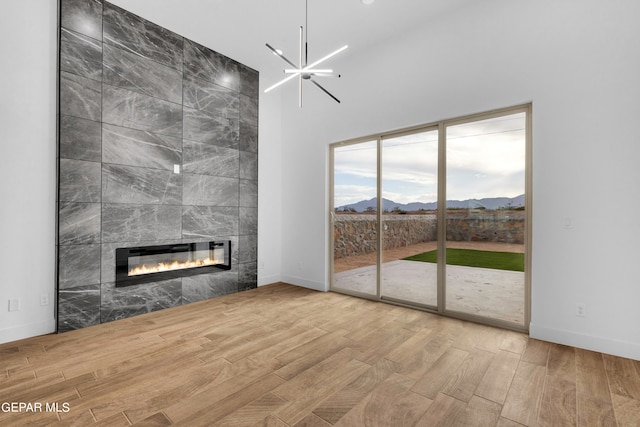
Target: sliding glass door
[
  {"x": 355, "y": 227},
  {"x": 409, "y": 182},
  {"x": 437, "y": 217},
  {"x": 485, "y": 217}
]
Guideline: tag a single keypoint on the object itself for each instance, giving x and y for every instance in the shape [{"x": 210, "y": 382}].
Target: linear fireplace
[{"x": 153, "y": 263}]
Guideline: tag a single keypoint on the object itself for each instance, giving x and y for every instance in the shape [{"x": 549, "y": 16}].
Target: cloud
[{"x": 484, "y": 159}]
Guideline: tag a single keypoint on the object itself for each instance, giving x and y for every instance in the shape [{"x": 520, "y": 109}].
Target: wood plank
[
  {"x": 480, "y": 412},
  {"x": 562, "y": 362},
  {"x": 536, "y": 352},
  {"x": 523, "y": 399},
  {"x": 415, "y": 362},
  {"x": 593, "y": 402},
  {"x": 307, "y": 355},
  {"x": 496, "y": 381},
  {"x": 341, "y": 402},
  {"x": 207, "y": 412},
  {"x": 624, "y": 378},
  {"x": 627, "y": 411},
  {"x": 253, "y": 412},
  {"x": 379, "y": 343},
  {"x": 307, "y": 390},
  {"x": 312, "y": 420},
  {"x": 391, "y": 403},
  {"x": 445, "y": 411},
  {"x": 432, "y": 382},
  {"x": 271, "y": 421},
  {"x": 558, "y": 406},
  {"x": 463, "y": 384},
  {"x": 514, "y": 342}
]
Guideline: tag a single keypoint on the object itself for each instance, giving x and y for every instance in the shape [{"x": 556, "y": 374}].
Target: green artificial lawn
[{"x": 473, "y": 258}]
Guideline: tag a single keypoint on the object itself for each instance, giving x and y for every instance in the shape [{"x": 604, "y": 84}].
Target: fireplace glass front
[{"x": 153, "y": 263}]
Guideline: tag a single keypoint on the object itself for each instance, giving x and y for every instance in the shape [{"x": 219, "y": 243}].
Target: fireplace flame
[{"x": 175, "y": 265}]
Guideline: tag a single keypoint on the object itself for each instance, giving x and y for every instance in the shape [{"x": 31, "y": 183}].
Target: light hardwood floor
[{"x": 286, "y": 356}]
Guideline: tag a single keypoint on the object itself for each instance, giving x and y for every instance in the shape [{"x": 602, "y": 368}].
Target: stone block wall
[
  {"x": 357, "y": 234},
  {"x": 158, "y": 142},
  {"x": 489, "y": 226}
]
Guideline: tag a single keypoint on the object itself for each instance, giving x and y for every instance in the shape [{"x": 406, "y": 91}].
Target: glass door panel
[
  {"x": 485, "y": 218},
  {"x": 354, "y": 218},
  {"x": 409, "y": 218}
]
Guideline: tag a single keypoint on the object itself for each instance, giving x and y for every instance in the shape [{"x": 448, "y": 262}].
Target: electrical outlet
[
  {"x": 581, "y": 309},
  {"x": 14, "y": 304},
  {"x": 44, "y": 299}
]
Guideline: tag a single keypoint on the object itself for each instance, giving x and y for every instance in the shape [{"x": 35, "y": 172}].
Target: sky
[{"x": 484, "y": 159}]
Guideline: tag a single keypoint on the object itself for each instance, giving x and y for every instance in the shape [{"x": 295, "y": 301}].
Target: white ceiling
[{"x": 240, "y": 28}]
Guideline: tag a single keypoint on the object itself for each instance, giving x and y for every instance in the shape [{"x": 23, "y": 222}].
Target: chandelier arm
[
  {"x": 302, "y": 64},
  {"x": 321, "y": 74},
  {"x": 280, "y": 55},
  {"x": 286, "y": 79},
  {"x": 332, "y": 54},
  {"x": 324, "y": 90}
]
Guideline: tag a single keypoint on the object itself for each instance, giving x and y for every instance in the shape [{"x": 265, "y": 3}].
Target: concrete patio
[{"x": 498, "y": 294}]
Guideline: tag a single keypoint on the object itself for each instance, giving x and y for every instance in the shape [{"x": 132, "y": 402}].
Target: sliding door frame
[{"x": 441, "y": 126}]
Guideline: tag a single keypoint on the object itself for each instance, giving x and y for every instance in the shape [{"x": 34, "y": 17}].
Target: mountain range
[{"x": 490, "y": 203}]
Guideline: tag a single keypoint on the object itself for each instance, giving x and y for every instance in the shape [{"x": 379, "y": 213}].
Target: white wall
[
  {"x": 28, "y": 172},
  {"x": 269, "y": 189},
  {"x": 577, "y": 61}
]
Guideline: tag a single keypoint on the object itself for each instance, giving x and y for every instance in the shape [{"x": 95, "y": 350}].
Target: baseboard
[
  {"x": 268, "y": 280},
  {"x": 316, "y": 286},
  {"x": 588, "y": 342},
  {"x": 20, "y": 332}
]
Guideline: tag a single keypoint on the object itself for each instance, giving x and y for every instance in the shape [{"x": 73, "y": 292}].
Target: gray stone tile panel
[
  {"x": 249, "y": 81},
  {"x": 205, "y": 64},
  {"x": 248, "y": 139},
  {"x": 122, "y": 129},
  {"x": 249, "y": 111},
  {"x": 80, "y": 96},
  {"x": 211, "y": 129},
  {"x": 78, "y": 307},
  {"x": 80, "y": 139},
  {"x": 211, "y": 285},
  {"x": 79, "y": 265},
  {"x": 138, "y": 74},
  {"x": 248, "y": 249},
  {"x": 127, "y": 222},
  {"x": 82, "y": 16},
  {"x": 210, "y": 97},
  {"x": 121, "y": 303},
  {"x": 248, "y": 193},
  {"x": 209, "y": 222},
  {"x": 249, "y": 165},
  {"x": 132, "y": 147},
  {"x": 80, "y": 55},
  {"x": 79, "y": 223},
  {"x": 130, "y": 32},
  {"x": 134, "y": 110},
  {"x": 247, "y": 276},
  {"x": 248, "y": 221},
  {"x": 129, "y": 184},
  {"x": 206, "y": 159},
  {"x": 79, "y": 181},
  {"x": 205, "y": 190}
]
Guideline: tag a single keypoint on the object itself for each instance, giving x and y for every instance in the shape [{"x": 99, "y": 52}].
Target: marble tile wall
[{"x": 135, "y": 100}]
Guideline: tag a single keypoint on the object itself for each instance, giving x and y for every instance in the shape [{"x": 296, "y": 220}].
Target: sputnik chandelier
[{"x": 304, "y": 70}]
